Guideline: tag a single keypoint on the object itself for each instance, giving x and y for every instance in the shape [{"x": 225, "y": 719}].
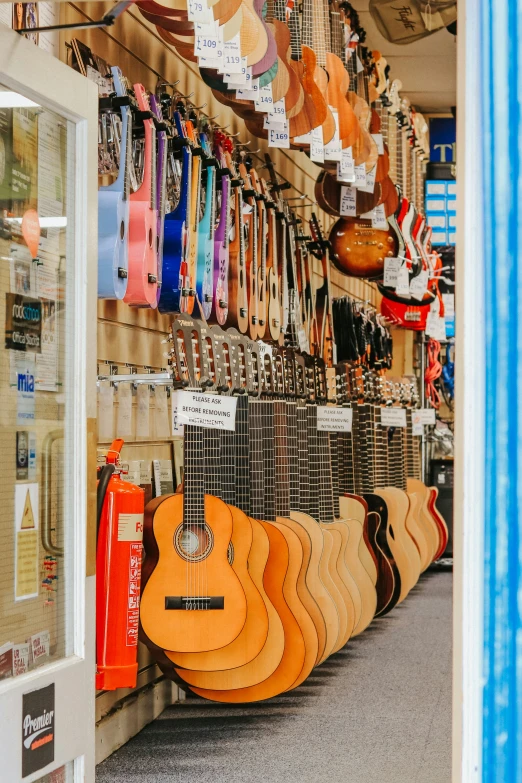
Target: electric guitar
[
  {"x": 143, "y": 220},
  {"x": 114, "y": 206}
]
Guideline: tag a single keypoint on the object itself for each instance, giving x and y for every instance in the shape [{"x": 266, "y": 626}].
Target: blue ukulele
[
  {"x": 113, "y": 208},
  {"x": 175, "y": 283}
]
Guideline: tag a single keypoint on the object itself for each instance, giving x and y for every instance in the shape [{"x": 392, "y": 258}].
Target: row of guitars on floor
[{"x": 285, "y": 542}]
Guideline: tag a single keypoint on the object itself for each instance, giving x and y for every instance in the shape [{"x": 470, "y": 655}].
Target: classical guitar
[
  {"x": 260, "y": 199},
  {"x": 113, "y": 205},
  {"x": 142, "y": 285},
  {"x": 272, "y": 263},
  {"x": 175, "y": 283},
  {"x": 192, "y": 599}
]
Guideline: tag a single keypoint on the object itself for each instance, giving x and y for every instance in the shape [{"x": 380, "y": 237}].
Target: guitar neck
[
  {"x": 194, "y": 477},
  {"x": 242, "y": 446},
  {"x": 256, "y": 459},
  {"x": 303, "y": 462}
]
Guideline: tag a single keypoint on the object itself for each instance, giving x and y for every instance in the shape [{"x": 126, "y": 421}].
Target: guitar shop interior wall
[{"x": 132, "y": 339}]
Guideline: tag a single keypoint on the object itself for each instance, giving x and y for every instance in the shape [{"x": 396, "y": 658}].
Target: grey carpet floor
[{"x": 379, "y": 711}]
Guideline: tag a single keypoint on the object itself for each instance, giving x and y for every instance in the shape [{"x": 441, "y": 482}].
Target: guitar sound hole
[
  {"x": 273, "y": 291},
  {"x": 391, "y": 532},
  {"x": 241, "y": 278},
  {"x": 150, "y": 237},
  {"x": 193, "y": 542},
  {"x": 122, "y": 230}
]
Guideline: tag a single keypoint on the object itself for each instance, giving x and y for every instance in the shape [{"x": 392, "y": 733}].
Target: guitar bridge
[{"x": 194, "y": 603}]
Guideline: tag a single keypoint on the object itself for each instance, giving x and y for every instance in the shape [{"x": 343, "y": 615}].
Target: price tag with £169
[{"x": 280, "y": 137}]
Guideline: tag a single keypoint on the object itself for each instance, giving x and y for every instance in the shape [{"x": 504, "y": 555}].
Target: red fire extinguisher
[{"x": 120, "y": 507}]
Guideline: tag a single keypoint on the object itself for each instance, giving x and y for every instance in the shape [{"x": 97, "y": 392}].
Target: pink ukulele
[{"x": 143, "y": 219}]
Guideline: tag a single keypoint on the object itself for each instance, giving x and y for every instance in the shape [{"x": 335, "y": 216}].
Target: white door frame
[{"x": 44, "y": 79}]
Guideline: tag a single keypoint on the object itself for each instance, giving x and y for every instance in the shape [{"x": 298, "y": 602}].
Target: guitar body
[
  {"x": 338, "y": 85},
  {"x": 266, "y": 662},
  {"x": 142, "y": 286},
  {"x": 426, "y": 520},
  {"x": 439, "y": 521},
  {"x": 318, "y": 587},
  {"x": 174, "y": 275},
  {"x": 296, "y": 595},
  {"x": 400, "y": 542},
  {"x": 113, "y": 242},
  {"x": 333, "y": 583},
  {"x": 278, "y": 585},
  {"x": 303, "y": 121},
  {"x": 417, "y": 533},
  {"x": 293, "y": 93},
  {"x": 361, "y": 577},
  {"x": 237, "y": 280},
  {"x": 253, "y": 35},
  {"x": 358, "y": 250},
  {"x": 312, "y": 88},
  {"x": 388, "y": 579},
  {"x": 205, "y": 253},
  {"x": 167, "y": 573},
  {"x": 221, "y": 258},
  {"x": 248, "y": 567},
  {"x": 321, "y": 80},
  {"x": 187, "y": 303},
  {"x": 354, "y": 507},
  {"x": 348, "y": 588},
  {"x": 113, "y": 215},
  {"x": 269, "y": 59}
]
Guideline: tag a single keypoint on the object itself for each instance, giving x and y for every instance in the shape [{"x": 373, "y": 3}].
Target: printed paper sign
[
  {"x": 38, "y": 721},
  {"x": 391, "y": 271},
  {"x": 360, "y": 176},
  {"x": 23, "y": 323},
  {"x": 279, "y": 137},
  {"x": 333, "y": 149},
  {"x": 393, "y": 417},
  {"x": 427, "y": 416},
  {"x": 23, "y": 368},
  {"x": 317, "y": 145},
  {"x": 20, "y": 659},
  {"x": 330, "y": 419},
  {"x": 130, "y": 527},
  {"x": 417, "y": 429},
  {"x": 40, "y": 648},
  {"x": 379, "y": 219},
  {"x": 419, "y": 285},
  {"x": 348, "y": 201},
  {"x": 206, "y": 410},
  {"x": 402, "y": 287},
  {"x": 26, "y": 541},
  {"x": 346, "y": 166}
]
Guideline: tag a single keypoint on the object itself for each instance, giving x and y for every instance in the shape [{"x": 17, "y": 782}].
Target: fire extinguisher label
[
  {"x": 130, "y": 527},
  {"x": 133, "y": 605}
]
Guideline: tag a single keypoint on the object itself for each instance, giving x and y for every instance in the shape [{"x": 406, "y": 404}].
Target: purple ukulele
[{"x": 223, "y": 147}]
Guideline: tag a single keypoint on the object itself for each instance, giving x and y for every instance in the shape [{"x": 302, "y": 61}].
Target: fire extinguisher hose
[{"x": 103, "y": 482}]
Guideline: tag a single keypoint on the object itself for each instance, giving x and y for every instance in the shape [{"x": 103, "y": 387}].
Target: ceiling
[{"x": 427, "y": 69}]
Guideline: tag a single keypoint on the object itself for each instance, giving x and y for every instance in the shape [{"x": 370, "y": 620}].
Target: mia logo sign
[{"x": 38, "y": 719}]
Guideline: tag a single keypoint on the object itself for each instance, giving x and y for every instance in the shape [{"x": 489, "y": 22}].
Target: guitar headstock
[
  {"x": 189, "y": 358},
  {"x": 300, "y": 376},
  {"x": 266, "y": 368},
  {"x": 289, "y": 371},
  {"x": 226, "y": 372},
  {"x": 238, "y": 352},
  {"x": 254, "y": 368},
  {"x": 394, "y": 98}
]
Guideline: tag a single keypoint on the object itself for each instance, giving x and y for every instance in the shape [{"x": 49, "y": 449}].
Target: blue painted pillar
[{"x": 501, "y": 131}]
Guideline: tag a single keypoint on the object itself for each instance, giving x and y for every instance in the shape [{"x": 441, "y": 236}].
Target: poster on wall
[
  {"x": 38, "y": 721},
  {"x": 26, "y": 541},
  {"x": 22, "y": 378}
]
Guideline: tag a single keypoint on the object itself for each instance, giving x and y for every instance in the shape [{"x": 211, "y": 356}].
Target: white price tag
[
  {"x": 346, "y": 164},
  {"x": 269, "y": 121},
  {"x": 360, "y": 66},
  {"x": 198, "y": 11},
  {"x": 391, "y": 271},
  {"x": 449, "y": 305},
  {"x": 317, "y": 145},
  {"x": 402, "y": 287},
  {"x": 427, "y": 416},
  {"x": 278, "y": 110},
  {"x": 419, "y": 285},
  {"x": 233, "y": 63},
  {"x": 279, "y": 137},
  {"x": 379, "y": 219},
  {"x": 333, "y": 149},
  {"x": 305, "y": 138},
  {"x": 393, "y": 417},
  {"x": 265, "y": 100},
  {"x": 436, "y": 326},
  {"x": 206, "y": 410},
  {"x": 417, "y": 429},
  {"x": 124, "y": 420},
  {"x": 251, "y": 89},
  {"x": 369, "y": 186},
  {"x": 348, "y": 206},
  {"x": 360, "y": 176},
  {"x": 302, "y": 340},
  {"x": 206, "y": 43},
  {"x": 235, "y": 81},
  {"x": 330, "y": 419},
  {"x": 377, "y": 137}
]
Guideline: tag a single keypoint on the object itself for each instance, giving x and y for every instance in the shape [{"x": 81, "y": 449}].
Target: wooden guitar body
[
  {"x": 417, "y": 533},
  {"x": 303, "y": 121},
  {"x": 355, "y": 565},
  {"x": 334, "y": 584},
  {"x": 293, "y": 94},
  {"x": 318, "y": 586},
  {"x": 253, "y": 36},
  {"x": 440, "y": 522},
  {"x": 270, "y": 56},
  {"x": 389, "y": 579},
  {"x": 358, "y": 249},
  {"x": 266, "y": 662},
  {"x": 309, "y": 582},
  {"x": 351, "y": 593},
  {"x": 249, "y": 566},
  {"x": 338, "y": 85},
  {"x": 169, "y": 573},
  {"x": 355, "y": 507},
  {"x": 400, "y": 542},
  {"x": 426, "y": 520},
  {"x": 277, "y": 581}
]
